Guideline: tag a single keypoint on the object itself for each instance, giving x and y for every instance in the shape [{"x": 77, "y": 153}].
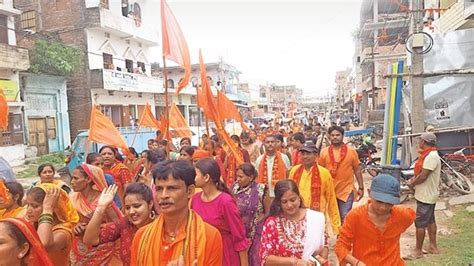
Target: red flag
[
  {"x": 213, "y": 114},
  {"x": 102, "y": 130},
  {"x": 178, "y": 123},
  {"x": 228, "y": 110},
  {"x": 3, "y": 111},
  {"x": 175, "y": 47},
  {"x": 148, "y": 119}
]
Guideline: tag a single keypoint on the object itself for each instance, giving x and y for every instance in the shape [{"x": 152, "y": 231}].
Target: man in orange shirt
[
  {"x": 343, "y": 164},
  {"x": 178, "y": 236},
  {"x": 371, "y": 233}
]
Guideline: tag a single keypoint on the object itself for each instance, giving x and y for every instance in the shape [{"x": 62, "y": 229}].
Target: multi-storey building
[
  {"x": 221, "y": 76},
  {"x": 285, "y": 99},
  {"x": 114, "y": 38},
  {"x": 12, "y": 60},
  {"x": 384, "y": 26}
]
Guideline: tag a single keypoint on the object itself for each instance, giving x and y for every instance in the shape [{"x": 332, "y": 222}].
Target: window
[
  {"x": 104, "y": 3},
  {"x": 141, "y": 65},
  {"x": 125, "y": 8},
  {"x": 170, "y": 83},
  {"x": 108, "y": 61},
  {"x": 28, "y": 20},
  {"x": 3, "y": 29},
  {"x": 51, "y": 127},
  {"x": 14, "y": 134},
  {"x": 129, "y": 65}
]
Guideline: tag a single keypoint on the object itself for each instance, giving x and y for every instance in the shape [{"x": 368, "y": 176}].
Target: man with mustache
[{"x": 179, "y": 236}]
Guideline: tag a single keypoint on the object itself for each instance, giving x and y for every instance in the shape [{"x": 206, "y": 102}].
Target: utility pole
[
  {"x": 416, "y": 81},
  {"x": 376, "y": 35}
]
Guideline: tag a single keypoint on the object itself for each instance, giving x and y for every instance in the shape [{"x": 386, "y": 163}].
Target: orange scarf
[
  {"x": 342, "y": 156},
  {"x": 232, "y": 165},
  {"x": 191, "y": 247},
  {"x": 278, "y": 169},
  {"x": 37, "y": 254},
  {"x": 315, "y": 185},
  {"x": 64, "y": 210},
  {"x": 419, "y": 163}
]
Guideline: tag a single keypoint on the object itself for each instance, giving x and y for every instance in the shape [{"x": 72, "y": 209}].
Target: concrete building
[
  {"x": 114, "y": 38},
  {"x": 221, "y": 75},
  {"x": 345, "y": 89},
  {"x": 46, "y": 112},
  {"x": 384, "y": 26},
  {"x": 285, "y": 99},
  {"x": 12, "y": 60}
]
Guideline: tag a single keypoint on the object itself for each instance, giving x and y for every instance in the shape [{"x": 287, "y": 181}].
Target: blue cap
[{"x": 385, "y": 188}]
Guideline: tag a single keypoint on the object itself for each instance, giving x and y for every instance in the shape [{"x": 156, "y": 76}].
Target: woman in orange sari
[
  {"x": 11, "y": 197},
  {"x": 21, "y": 244},
  {"x": 231, "y": 164},
  {"x": 52, "y": 214},
  {"x": 120, "y": 172},
  {"x": 88, "y": 182}
]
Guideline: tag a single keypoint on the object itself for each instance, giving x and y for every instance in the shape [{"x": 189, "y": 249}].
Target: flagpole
[{"x": 167, "y": 110}]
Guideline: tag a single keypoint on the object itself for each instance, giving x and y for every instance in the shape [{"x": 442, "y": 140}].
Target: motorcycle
[
  {"x": 449, "y": 179},
  {"x": 366, "y": 150}
]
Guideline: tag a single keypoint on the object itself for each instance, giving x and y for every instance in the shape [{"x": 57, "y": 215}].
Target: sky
[{"x": 300, "y": 42}]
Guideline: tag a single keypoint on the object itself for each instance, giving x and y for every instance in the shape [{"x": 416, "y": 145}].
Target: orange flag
[
  {"x": 178, "y": 123},
  {"x": 148, "y": 119},
  {"x": 3, "y": 111},
  {"x": 228, "y": 110},
  {"x": 164, "y": 125},
  {"x": 213, "y": 114},
  {"x": 103, "y": 131},
  {"x": 175, "y": 47}
]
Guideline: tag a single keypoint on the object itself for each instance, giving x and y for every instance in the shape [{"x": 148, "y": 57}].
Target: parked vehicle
[
  {"x": 461, "y": 162},
  {"x": 6, "y": 171}
]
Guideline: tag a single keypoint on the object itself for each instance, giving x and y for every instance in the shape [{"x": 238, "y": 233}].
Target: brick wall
[{"x": 65, "y": 20}]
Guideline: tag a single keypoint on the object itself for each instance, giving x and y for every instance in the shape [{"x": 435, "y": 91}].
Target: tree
[{"x": 54, "y": 58}]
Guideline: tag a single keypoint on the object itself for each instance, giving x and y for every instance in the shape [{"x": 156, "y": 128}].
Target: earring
[{"x": 152, "y": 215}]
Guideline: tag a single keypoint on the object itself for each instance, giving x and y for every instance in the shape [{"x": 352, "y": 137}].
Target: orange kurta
[
  {"x": 61, "y": 257},
  {"x": 370, "y": 244},
  {"x": 344, "y": 177},
  {"x": 203, "y": 242}
]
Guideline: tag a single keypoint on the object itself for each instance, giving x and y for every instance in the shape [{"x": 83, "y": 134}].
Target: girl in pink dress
[{"x": 217, "y": 207}]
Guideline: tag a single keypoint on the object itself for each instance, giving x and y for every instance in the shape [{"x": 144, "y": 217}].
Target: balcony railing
[
  {"x": 123, "y": 81},
  {"x": 124, "y": 27},
  {"x": 459, "y": 16},
  {"x": 12, "y": 57}
]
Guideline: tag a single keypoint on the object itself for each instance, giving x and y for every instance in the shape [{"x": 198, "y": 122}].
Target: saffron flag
[
  {"x": 178, "y": 123},
  {"x": 213, "y": 114},
  {"x": 3, "y": 111},
  {"x": 103, "y": 131},
  {"x": 148, "y": 119},
  {"x": 228, "y": 110},
  {"x": 175, "y": 47}
]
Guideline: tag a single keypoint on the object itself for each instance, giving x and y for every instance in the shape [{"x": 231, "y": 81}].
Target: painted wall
[
  {"x": 15, "y": 155},
  {"x": 96, "y": 46},
  {"x": 45, "y": 96},
  {"x": 102, "y": 97}
]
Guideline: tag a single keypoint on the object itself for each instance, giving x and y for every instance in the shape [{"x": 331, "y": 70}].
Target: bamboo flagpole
[{"x": 167, "y": 109}]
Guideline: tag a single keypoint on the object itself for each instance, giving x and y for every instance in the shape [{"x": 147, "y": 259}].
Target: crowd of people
[{"x": 197, "y": 205}]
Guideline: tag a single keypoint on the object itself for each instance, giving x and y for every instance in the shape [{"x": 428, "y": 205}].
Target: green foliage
[
  {"x": 456, "y": 249},
  {"x": 30, "y": 170},
  {"x": 54, "y": 58}
]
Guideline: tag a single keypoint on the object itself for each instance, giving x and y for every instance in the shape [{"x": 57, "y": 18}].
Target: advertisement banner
[{"x": 10, "y": 88}]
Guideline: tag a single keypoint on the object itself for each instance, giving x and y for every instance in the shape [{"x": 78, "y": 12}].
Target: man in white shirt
[
  {"x": 426, "y": 186},
  {"x": 270, "y": 162}
]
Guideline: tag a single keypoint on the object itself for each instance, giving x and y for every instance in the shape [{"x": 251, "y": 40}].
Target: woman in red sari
[
  {"x": 21, "y": 244},
  {"x": 118, "y": 170},
  {"x": 88, "y": 182}
]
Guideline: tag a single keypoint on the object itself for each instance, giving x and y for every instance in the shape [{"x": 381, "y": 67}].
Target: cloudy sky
[{"x": 301, "y": 42}]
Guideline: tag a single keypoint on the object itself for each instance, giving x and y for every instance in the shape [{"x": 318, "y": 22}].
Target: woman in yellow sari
[
  {"x": 88, "y": 182},
  {"x": 53, "y": 216},
  {"x": 46, "y": 173},
  {"x": 11, "y": 198}
]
